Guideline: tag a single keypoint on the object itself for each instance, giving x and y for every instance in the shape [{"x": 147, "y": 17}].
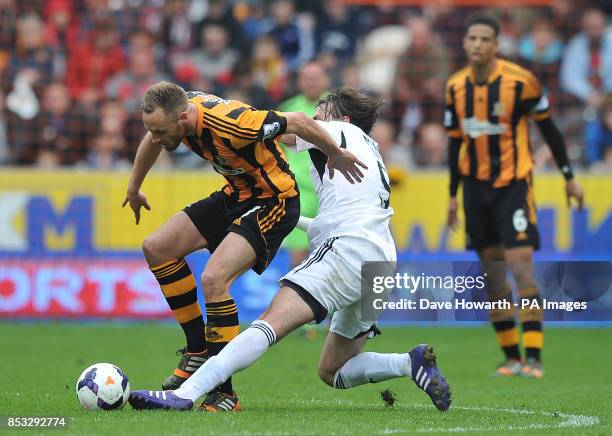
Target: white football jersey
[{"x": 359, "y": 209}]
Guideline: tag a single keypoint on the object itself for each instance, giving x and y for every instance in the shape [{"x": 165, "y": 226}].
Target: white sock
[
  {"x": 372, "y": 368},
  {"x": 240, "y": 353}
]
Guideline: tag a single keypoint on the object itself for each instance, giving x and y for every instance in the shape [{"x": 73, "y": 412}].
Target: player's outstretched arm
[
  {"x": 338, "y": 158},
  {"x": 555, "y": 142},
  {"x": 146, "y": 155}
]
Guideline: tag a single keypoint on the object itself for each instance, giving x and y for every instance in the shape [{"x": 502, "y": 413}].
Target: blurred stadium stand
[{"x": 73, "y": 71}]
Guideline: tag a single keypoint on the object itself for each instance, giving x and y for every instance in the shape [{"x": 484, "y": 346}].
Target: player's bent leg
[
  {"x": 232, "y": 257},
  {"x": 531, "y": 315},
  {"x": 337, "y": 350},
  {"x": 164, "y": 251},
  {"x": 175, "y": 239},
  {"x": 494, "y": 264},
  {"x": 286, "y": 313},
  {"x": 343, "y": 365}
]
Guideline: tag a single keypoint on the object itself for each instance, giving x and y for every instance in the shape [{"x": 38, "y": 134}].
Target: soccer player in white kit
[{"x": 351, "y": 227}]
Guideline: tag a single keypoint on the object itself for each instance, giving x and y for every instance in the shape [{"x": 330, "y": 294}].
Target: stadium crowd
[{"x": 73, "y": 72}]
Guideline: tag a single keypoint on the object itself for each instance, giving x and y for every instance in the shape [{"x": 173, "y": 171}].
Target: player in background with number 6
[
  {"x": 351, "y": 227},
  {"x": 489, "y": 105}
]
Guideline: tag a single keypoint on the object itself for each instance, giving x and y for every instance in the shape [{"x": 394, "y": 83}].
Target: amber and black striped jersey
[
  {"x": 492, "y": 121},
  {"x": 240, "y": 143}
]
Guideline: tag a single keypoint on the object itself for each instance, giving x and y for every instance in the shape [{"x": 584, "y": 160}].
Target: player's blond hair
[{"x": 168, "y": 96}]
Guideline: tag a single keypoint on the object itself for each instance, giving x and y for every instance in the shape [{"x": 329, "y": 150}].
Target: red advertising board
[{"x": 79, "y": 289}]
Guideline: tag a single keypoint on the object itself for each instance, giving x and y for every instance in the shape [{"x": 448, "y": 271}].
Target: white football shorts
[{"x": 329, "y": 281}]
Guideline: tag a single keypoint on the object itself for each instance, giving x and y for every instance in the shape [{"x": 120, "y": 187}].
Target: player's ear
[
  {"x": 183, "y": 117},
  {"x": 345, "y": 119}
]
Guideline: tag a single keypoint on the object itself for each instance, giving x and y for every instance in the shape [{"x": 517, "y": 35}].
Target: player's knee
[
  {"x": 152, "y": 249},
  {"x": 214, "y": 284},
  {"x": 327, "y": 375}
]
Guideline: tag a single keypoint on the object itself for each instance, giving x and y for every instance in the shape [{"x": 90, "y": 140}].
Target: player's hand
[
  {"x": 574, "y": 190},
  {"x": 452, "y": 220},
  {"x": 136, "y": 200},
  {"x": 348, "y": 164}
]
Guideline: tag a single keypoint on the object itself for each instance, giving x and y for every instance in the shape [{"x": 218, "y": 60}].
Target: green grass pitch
[{"x": 282, "y": 395}]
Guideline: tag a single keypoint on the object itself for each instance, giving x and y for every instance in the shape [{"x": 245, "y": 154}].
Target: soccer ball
[{"x": 102, "y": 386}]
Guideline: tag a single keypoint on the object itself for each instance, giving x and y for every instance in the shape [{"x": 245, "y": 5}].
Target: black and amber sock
[
  {"x": 179, "y": 287},
  {"x": 533, "y": 339},
  {"x": 531, "y": 320},
  {"x": 222, "y": 326},
  {"x": 508, "y": 338}
]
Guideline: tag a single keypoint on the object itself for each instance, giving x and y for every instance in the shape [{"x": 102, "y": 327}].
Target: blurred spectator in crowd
[
  {"x": 220, "y": 13},
  {"x": 244, "y": 82},
  {"x": 30, "y": 56},
  {"x": 176, "y": 27},
  {"x": 347, "y": 77},
  {"x": 396, "y": 156},
  {"x": 337, "y": 31},
  {"x": 420, "y": 76},
  {"x": 598, "y": 136},
  {"x": 215, "y": 60},
  {"x": 61, "y": 30},
  {"x": 563, "y": 16},
  {"x": 295, "y": 40},
  {"x": 8, "y": 18},
  {"x": 106, "y": 153},
  {"x": 268, "y": 68},
  {"x": 313, "y": 82},
  {"x": 251, "y": 16},
  {"x": 541, "y": 45},
  {"x": 128, "y": 86},
  {"x": 540, "y": 51},
  {"x": 449, "y": 22},
  {"x": 586, "y": 71},
  {"x": 386, "y": 14},
  {"x": 378, "y": 57},
  {"x": 22, "y": 107},
  {"x": 429, "y": 149},
  {"x": 4, "y": 144},
  {"x": 58, "y": 126},
  {"x": 92, "y": 62},
  {"x": 507, "y": 38},
  {"x": 47, "y": 159},
  {"x": 113, "y": 117}
]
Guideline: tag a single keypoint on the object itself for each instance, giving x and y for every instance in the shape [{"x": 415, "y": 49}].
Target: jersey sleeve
[
  {"x": 451, "y": 121},
  {"x": 249, "y": 126},
  {"x": 301, "y": 144},
  {"x": 534, "y": 102}
]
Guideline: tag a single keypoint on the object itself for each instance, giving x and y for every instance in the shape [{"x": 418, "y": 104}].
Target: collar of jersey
[{"x": 492, "y": 77}]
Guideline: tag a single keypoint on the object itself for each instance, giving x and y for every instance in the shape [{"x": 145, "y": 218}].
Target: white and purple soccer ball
[{"x": 102, "y": 386}]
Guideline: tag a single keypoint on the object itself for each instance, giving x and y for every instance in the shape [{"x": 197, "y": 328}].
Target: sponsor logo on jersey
[
  {"x": 227, "y": 171},
  {"x": 475, "y": 128}
]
